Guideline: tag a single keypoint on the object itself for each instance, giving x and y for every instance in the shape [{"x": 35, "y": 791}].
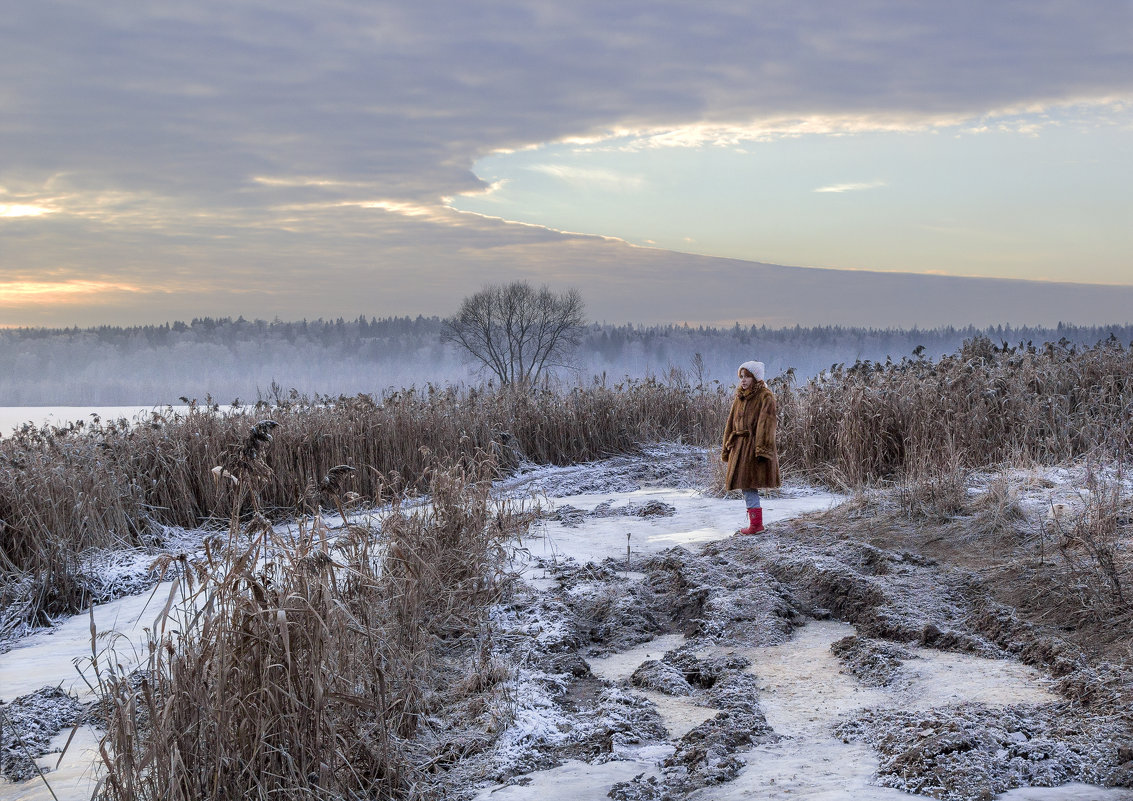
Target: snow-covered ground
[
  {"x": 627, "y": 509},
  {"x": 804, "y": 690}
]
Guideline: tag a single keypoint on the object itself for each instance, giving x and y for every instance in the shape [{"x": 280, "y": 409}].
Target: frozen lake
[{"x": 12, "y": 417}]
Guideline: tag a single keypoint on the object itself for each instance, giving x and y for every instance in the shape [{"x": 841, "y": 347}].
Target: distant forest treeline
[{"x": 239, "y": 359}]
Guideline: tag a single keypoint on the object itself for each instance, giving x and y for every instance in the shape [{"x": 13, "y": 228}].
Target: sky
[{"x": 870, "y": 162}]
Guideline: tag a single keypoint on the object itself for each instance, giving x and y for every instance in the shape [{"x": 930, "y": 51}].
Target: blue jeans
[{"x": 751, "y": 498}]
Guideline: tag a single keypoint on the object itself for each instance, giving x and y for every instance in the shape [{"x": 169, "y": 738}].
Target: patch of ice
[
  {"x": 680, "y": 715},
  {"x": 55, "y": 657},
  {"x": 73, "y": 780},
  {"x": 941, "y": 678},
  {"x": 813, "y": 771},
  {"x": 573, "y": 781},
  {"x": 802, "y": 686},
  {"x": 620, "y": 666}
]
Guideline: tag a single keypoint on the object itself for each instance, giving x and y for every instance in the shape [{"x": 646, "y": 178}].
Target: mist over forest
[{"x": 229, "y": 360}]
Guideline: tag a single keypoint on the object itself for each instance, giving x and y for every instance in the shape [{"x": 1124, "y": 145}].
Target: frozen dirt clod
[
  {"x": 708, "y": 754},
  {"x": 876, "y": 663},
  {"x": 550, "y": 724},
  {"x": 613, "y": 618},
  {"x": 971, "y": 752},
  {"x": 659, "y": 464},
  {"x": 27, "y": 727},
  {"x": 662, "y": 677},
  {"x": 651, "y": 509},
  {"x": 568, "y": 515},
  {"x": 572, "y": 516},
  {"x": 911, "y": 601},
  {"x": 704, "y": 672},
  {"x": 722, "y": 598}
]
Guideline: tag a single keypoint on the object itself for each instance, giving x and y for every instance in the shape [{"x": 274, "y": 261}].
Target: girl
[{"x": 749, "y": 442}]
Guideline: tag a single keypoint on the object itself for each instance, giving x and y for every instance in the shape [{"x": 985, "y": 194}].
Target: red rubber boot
[{"x": 755, "y": 522}]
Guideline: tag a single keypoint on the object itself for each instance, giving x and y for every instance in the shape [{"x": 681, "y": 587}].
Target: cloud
[
  {"x": 852, "y": 187},
  {"x": 589, "y": 177},
  {"x": 297, "y": 181},
  {"x": 240, "y": 145},
  {"x": 23, "y": 210},
  {"x": 42, "y": 293}
]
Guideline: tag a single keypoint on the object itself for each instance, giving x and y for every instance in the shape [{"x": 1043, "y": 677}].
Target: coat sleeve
[
  {"x": 729, "y": 427},
  {"x": 765, "y": 428}
]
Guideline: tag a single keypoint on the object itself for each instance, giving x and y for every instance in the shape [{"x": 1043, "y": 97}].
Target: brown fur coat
[{"x": 749, "y": 440}]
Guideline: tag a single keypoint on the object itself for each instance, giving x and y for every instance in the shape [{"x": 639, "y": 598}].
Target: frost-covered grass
[
  {"x": 1055, "y": 541},
  {"x": 984, "y": 405}
]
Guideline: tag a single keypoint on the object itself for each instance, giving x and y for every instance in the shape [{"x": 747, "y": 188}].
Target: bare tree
[{"x": 516, "y": 331}]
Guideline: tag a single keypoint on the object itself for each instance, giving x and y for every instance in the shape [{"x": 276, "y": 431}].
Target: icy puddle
[
  {"x": 803, "y": 693},
  {"x": 73, "y": 780},
  {"x": 620, "y": 666}
]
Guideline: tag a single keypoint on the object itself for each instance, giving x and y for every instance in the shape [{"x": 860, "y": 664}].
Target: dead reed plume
[{"x": 305, "y": 663}]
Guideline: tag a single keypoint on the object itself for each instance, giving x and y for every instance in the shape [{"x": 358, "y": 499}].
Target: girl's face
[{"x": 746, "y": 380}]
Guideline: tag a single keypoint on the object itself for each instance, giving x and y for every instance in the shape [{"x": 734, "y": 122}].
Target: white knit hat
[{"x": 757, "y": 369}]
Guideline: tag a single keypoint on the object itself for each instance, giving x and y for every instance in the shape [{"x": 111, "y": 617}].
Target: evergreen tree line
[{"x": 237, "y": 359}]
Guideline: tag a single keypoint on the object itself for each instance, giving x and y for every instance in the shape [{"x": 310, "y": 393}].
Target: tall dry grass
[
  {"x": 295, "y": 670},
  {"x": 982, "y": 406},
  {"x": 65, "y": 490}
]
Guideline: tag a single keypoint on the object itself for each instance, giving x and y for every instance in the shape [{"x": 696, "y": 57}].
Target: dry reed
[
  {"x": 296, "y": 670},
  {"x": 1093, "y": 547},
  {"x": 65, "y": 490},
  {"x": 982, "y": 406}
]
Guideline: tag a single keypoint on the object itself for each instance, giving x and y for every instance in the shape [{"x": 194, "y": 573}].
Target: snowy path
[
  {"x": 803, "y": 687},
  {"x": 803, "y": 691},
  {"x": 695, "y": 520},
  {"x": 61, "y": 657},
  {"x": 56, "y": 657}
]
